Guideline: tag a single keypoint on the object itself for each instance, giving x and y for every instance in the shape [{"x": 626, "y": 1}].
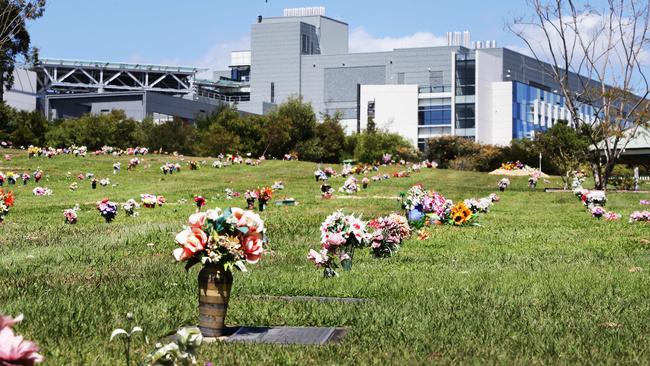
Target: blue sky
[{"x": 203, "y": 32}]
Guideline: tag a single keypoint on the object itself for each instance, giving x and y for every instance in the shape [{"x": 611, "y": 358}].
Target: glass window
[{"x": 434, "y": 115}]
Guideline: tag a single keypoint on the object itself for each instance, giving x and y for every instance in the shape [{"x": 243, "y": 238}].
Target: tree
[
  {"x": 563, "y": 147},
  {"x": 332, "y": 138},
  {"x": 601, "y": 52},
  {"x": 14, "y": 36}
]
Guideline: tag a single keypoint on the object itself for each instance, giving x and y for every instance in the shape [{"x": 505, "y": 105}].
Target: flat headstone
[
  {"x": 287, "y": 335},
  {"x": 312, "y": 298}
]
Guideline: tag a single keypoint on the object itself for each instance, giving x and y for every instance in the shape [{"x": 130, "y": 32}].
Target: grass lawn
[{"x": 539, "y": 282}]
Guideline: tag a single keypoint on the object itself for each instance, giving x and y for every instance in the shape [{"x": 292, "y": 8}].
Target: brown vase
[{"x": 215, "y": 284}]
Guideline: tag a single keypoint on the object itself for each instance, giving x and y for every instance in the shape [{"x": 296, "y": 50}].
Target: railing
[
  {"x": 434, "y": 89},
  {"x": 222, "y": 97}
]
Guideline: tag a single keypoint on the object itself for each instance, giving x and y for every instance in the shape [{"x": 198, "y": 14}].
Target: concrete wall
[
  {"x": 488, "y": 71},
  {"x": 396, "y": 108},
  {"x": 22, "y": 95},
  {"x": 501, "y": 119}
]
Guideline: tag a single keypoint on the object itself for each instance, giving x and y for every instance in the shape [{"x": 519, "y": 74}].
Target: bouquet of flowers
[
  {"x": 222, "y": 238},
  {"x": 117, "y": 167},
  {"x": 6, "y": 201},
  {"x": 594, "y": 198},
  {"x": 217, "y": 164},
  {"x": 41, "y": 191},
  {"x": 250, "y": 197},
  {"x": 320, "y": 175},
  {"x": 199, "y": 201},
  {"x": 644, "y": 202},
  {"x": 12, "y": 177},
  {"x": 107, "y": 209},
  {"x": 329, "y": 172},
  {"x": 277, "y": 186},
  {"x": 481, "y": 205},
  {"x": 389, "y": 233},
  {"x": 133, "y": 163},
  {"x": 413, "y": 198},
  {"x": 2, "y": 179},
  {"x": 347, "y": 170},
  {"x": 461, "y": 214},
  {"x": 26, "y": 178},
  {"x": 503, "y": 184},
  {"x": 387, "y": 158},
  {"x": 350, "y": 186},
  {"x": 194, "y": 165},
  {"x": 532, "y": 180},
  {"x": 33, "y": 151},
  {"x": 364, "y": 182},
  {"x": 148, "y": 200},
  {"x": 640, "y": 216},
  {"x": 326, "y": 191},
  {"x": 38, "y": 174},
  {"x": 510, "y": 165},
  {"x": 70, "y": 215},
  {"x": 494, "y": 197},
  {"x": 73, "y": 186},
  {"x": 340, "y": 235},
  {"x": 597, "y": 212},
  {"x": 611, "y": 216},
  {"x": 160, "y": 200},
  {"x": 130, "y": 207},
  {"x": 263, "y": 196},
  {"x": 104, "y": 182},
  {"x": 15, "y": 350}
]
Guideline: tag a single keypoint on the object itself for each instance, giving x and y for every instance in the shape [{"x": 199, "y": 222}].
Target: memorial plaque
[
  {"x": 312, "y": 298},
  {"x": 284, "y": 335}
]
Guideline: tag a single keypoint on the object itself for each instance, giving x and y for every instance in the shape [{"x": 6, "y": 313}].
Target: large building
[{"x": 475, "y": 90}]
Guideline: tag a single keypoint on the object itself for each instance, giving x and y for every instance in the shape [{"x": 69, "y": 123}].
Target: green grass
[{"x": 532, "y": 285}]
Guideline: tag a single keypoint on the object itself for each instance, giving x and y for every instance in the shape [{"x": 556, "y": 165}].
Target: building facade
[{"x": 475, "y": 90}]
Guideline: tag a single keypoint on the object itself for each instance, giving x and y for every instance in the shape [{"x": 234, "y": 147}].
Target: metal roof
[{"x": 118, "y": 65}]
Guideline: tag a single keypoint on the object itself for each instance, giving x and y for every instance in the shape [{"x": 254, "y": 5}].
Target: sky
[{"x": 202, "y": 33}]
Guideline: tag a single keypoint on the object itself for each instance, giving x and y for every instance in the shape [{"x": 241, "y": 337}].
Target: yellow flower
[{"x": 460, "y": 214}]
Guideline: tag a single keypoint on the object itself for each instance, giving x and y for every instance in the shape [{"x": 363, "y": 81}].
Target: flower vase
[
  {"x": 502, "y": 189},
  {"x": 262, "y": 205},
  {"x": 93, "y": 185},
  {"x": 215, "y": 284},
  {"x": 365, "y": 185},
  {"x": 348, "y": 254}
]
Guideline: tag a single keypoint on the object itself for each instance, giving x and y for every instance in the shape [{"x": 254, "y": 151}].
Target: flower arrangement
[
  {"x": 73, "y": 186},
  {"x": 130, "y": 207},
  {"x": 160, "y": 200},
  {"x": 32, "y": 151},
  {"x": 329, "y": 172},
  {"x": 26, "y": 177},
  {"x": 389, "y": 233},
  {"x": 6, "y": 201},
  {"x": 117, "y": 167},
  {"x": 424, "y": 208},
  {"x": 494, "y": 197},
  {"x": 14, "y": 349},
  {"x": 104, "y": 182},
  {"x": 349, "y": 186},
  {"x": 217, "y": 164},
  {"x": 612, "y": 216},
  {"x": 223, "y": 238},
  {"x": 148, "y": 200},
  {"x": 364, "y": 182},
  {"x": 597, "y": 212},
  {"x": 461, "y": 214},
  {"x": 70, "y": 215},
  {"x": 193, "y": 164},
  {"x": 532, "y": 180},
  {"x": 402, "y": 174},
  {"x": 38, "y": 174},
  {"x": 263, "y": 196},
  {"x": 277, "y": 186},
  {"x": 42, "y": 191},
  {"x": 644, "y": 202},
  {"x": 640, "y": 216},
  {"x": 594, "y": 198},
  {"x": 11, "y": 178},
  {"x": 503, "y": 184},
  {"x": 250, "y": 197},
  {"x": 2, "y": 179},
  {"x": 320, "y": 175},
  {"x": 326, "y": 191},
  {"x": 510, "y": 165},
  {"x": 413, "y": 198},
  {"x": 133, "y": 163},
  {"x": 340, "y": 235},
  {"x": 107, "y": 209},
  {"x": 199, "y": 201},
  {"x": 481, "y": 205}
]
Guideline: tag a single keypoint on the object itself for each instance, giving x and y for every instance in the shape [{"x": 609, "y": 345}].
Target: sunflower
[{"x": 460, "y": 214}]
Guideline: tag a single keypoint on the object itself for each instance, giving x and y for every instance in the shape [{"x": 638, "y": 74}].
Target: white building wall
[
  {"x": 501, "y": 119},
  {"x": 488, "y": 72},
  {"x": 22, "y": 95},
  {"x": 396, "y": 109}
]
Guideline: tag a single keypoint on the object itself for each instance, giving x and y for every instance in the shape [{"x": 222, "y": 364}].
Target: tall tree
[
  {"x": 564, "y": 147},
  {"x": 599, "y": 60},
  {"x": 14, "y": 36}
]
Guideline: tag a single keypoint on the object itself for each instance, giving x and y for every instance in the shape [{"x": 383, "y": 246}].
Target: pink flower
[
  {"x": 252, "y": 247},
  {"x": 15, "y": 350},
  {"x": 191, "y": 241},
  {"x": 335, "y": 239},
  {"x": 197, "y": 220},
  {"x": 8, "y": 322},
  {"x": 316, "y": 257},
  {"x": 252, "y": 221}
]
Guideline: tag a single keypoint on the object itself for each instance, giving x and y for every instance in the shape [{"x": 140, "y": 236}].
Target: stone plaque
[{"x": 283, "y": 335}]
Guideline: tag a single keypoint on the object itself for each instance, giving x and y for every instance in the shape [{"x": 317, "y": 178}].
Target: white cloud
[
  {"x": 218, "y": 56},
  {"x": 362, "y": 41}
]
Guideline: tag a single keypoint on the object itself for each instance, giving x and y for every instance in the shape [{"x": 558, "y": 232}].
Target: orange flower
[
  {"x": 460, "y": 214},
  {"x": 191, "y": 241},
  {"x": 7, "y": 197},
  {"x": 423, "y": 234},
  {"x": 252, "y": 247}
]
